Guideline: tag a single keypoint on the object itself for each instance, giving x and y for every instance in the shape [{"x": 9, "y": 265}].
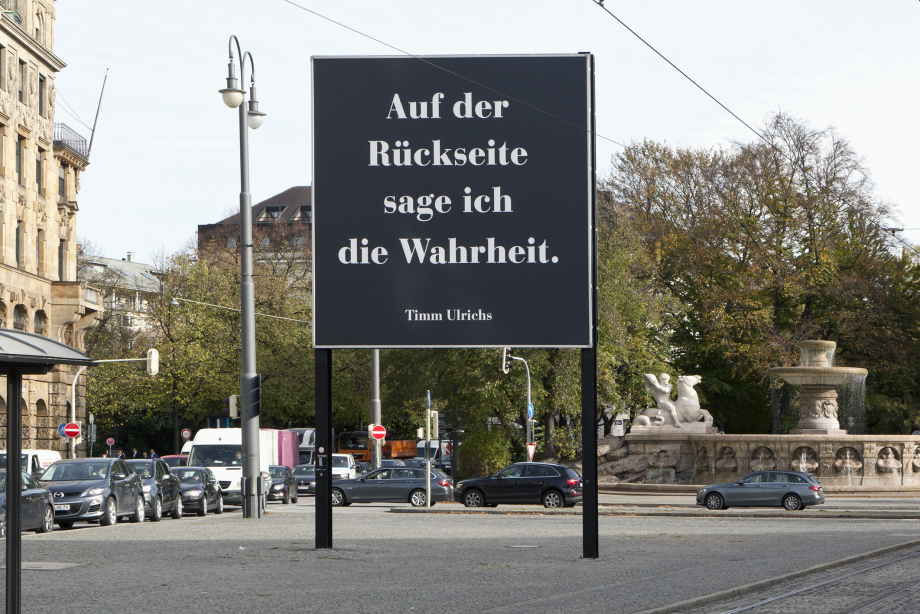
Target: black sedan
[
  {"x": 161, "y": 488},
  {"x": 92, "y": 489},
  {"x": 284, "y": 486},
  {"x": 305, "y": 476},
  {"x": 36, "y": 506},
  {"x": 551, "y": 485},
  {"x": 396, "y": 484},
  {"x": 200, "y": 490},
  {"x": 788, "y": 489}
]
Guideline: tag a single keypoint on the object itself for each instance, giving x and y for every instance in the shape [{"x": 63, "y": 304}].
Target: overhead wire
[
  {"x": 447, "y": 70},
  {"x": 760, "y": 135},
  {"x": 73, "y": 113}
]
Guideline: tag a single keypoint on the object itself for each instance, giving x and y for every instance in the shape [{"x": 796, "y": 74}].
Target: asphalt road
[{"x": 426, "y": 563}]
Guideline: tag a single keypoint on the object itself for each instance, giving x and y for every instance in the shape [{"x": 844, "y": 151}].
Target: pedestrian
[
  {"x": 145, "y": 455},
  {"x": 134, "y": 453},
  {"x": 153, "y": 453},
  {"x": 105, "y": 454},
  {"x": 121, "y": 454}
]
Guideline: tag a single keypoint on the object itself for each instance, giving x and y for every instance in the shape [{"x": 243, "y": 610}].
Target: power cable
[
  {"x": 760, "y": 135},
  {"x": 474, "y": 82}
]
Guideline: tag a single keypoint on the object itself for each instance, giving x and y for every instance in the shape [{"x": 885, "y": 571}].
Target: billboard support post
[{"x": 324, "y": 443}]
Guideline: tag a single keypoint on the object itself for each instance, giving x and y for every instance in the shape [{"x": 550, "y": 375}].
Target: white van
[
  {"x": 34, "y": 462},
  {"x": 220, "y": 450},
  {"x": 343, "y": 467}
]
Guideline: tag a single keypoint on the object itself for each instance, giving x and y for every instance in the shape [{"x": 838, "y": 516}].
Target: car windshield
[
  {"x": 305, "y": 471},
  {"x": 353, "y": 441},
  {"x": 190, "y": 476},
  {"x": 73, "y": 472},
  {"x": 216, "y": 456},
  {"x": 142, "y": 468},
  {"x": 174, "y": 461},
  {"x": 25, "y": 460},
  {"x": 278, "y": 472},
  {"x": 339, "y": 461}
]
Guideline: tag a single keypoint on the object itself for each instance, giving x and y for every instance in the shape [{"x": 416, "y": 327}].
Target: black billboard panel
[{"x": 452, "y": 201}]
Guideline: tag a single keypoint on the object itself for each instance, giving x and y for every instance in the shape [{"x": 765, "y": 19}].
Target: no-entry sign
[
  {"x": 453, "y": 201},
  {"x": 71, "y": 429},
  {"x": 186, "y": 434},
  {"x": 378, "y": 432}
]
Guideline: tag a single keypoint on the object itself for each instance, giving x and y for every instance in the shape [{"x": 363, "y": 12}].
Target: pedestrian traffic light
[
  {"x": 233, "y": 406},
  {"x": 506, "y": 360}
]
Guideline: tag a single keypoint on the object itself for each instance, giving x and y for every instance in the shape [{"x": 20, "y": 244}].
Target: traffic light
[
  {"x": 506, "y": 360},
  {"x": 153, "y": 362},
  {"x": 233, "y": 406},
  {"x": 434, "y": 423}
]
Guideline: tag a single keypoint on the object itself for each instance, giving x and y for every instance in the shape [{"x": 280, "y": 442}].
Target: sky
[{"x": 165, "y": 157}]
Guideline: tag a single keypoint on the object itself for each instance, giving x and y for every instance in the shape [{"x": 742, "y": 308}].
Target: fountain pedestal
[{"x": 818, "y": 411}]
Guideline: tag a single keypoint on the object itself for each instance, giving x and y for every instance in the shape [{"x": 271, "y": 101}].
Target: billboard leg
[
  {"x": 589, "y": 452},
  {"x": 13, "y": 510},
  {"x": 323, "y": 360}
]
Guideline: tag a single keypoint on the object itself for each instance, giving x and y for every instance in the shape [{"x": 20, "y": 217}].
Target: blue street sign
[
  {"x": 530, "y": 410},
  {"x": 61, "y": 429},
  {"x": 429, "y": 399}
]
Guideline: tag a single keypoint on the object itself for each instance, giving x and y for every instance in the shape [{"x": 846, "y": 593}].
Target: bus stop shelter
[{"x": 21, "y": 354}]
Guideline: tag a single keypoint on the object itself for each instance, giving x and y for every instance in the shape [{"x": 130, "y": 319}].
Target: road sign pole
[
  {"x": 428, "y": 453},
  {"x": 323, "y": 413},
  {"x": 13, "y": 495}
]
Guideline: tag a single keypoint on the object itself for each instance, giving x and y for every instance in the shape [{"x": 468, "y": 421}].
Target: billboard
[{"x": 453, "y": 201}]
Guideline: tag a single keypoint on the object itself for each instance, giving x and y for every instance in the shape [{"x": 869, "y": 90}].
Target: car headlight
[
  {"x": 147, "y": 488},
  {"x": 192, "y": 493},
  {"x": 701, "y": 491},
  {"x": 93, "y": 491}
]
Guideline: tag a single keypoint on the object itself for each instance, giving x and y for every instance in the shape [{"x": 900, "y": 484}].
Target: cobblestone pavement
[
  {"x": 385, "y": 562},
  {"x": 889, "y": 583}
]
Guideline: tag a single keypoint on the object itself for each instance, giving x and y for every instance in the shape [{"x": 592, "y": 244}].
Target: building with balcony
[
  {"x": 40, "y": 167},
  {"x": 129, "y": 288}
]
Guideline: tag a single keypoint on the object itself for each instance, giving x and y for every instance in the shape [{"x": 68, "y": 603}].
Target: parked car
[
  {"x": 36, "y": 507},
  {"x": 343, "y": 467},
  {"x": 161, "y": 488},
  {"x": 551, "y": 485},
  {"x": 418, "y": 463},
  {"x": 34, "y": 462},
  {"x": 362, "y": 467},
  {"x": 175, "y": 460},
  {"x": 395, "y": 484},
  {"x": 305, "y": 476},
  {"x": 792, "y": 490},
  {"x": 88, "y": 489},
  {"x": 200, "y": 490},
  {"x": 392, "y": 462},
  {"x": 283, "y": 486},
  {"x": 444, "y": 464}
]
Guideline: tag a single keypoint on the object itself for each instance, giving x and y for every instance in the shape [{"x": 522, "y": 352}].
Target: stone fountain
[{"x": 675, "y": 442}]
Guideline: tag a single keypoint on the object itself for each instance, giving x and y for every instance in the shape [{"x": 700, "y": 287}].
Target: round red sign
[
  {"x": 110, "y": 442},
  {"x": 186, "y": 434},
  {"x": 72, "y": 429},
  {"x": 378, "y": 432}
]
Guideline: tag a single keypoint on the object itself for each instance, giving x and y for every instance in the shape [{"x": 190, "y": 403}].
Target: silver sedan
[{"x": 791, "y": 490}]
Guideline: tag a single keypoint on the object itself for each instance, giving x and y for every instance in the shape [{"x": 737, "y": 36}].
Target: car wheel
[
  {"x": 474, "y": 498},
  {"x": 65, "y": 524},
  {"x": 220, "y": 504},
  {"x": 110, "y": 516},
  {"x": 178, "y": 511},
  {"x": 338, "y": 497},
  {"x": 138, "y": 515},
  {"x": 552, "y": 498},
  {"x": 792, "y": 503},
  {"x": 203, "y": 505},
  {"x": 294, "y": 499},
  {"x": 47, "y": 522},
  {"x": 287, "y": 496},
  {"x": 157, "y": 513},
  {"x": 417, "y": 498},
  {"x": 714, "y": 501}
]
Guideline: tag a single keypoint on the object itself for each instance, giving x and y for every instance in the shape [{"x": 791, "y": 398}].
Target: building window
[
  {"x": 40, "y": 322},
  {"x": 298, "y": 242},
  {"x": 23, "y": 75},
  {"x": 306, "y": 213},
  {"x": 271, "y": 213},
  {"x": 20, "y": 317},
  {"x": 19, "y": 159},
  {"x": 61, "y": 260},
  {"x": 62, "y": 185},
  {"x": 19, "y": 245},
  {"x": 38, "y": 170},
  {"x": 265, "y": 243},
  {"x": 39, "y": 247},
  {"x": 41, "y": 95},
  {"x": 3, "y": 53},
  {"x": 231, "y": 242}
]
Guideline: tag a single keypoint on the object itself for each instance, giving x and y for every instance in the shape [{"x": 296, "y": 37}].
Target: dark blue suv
[
  {"x": 549, "y": 484},
  {"x": 85, "y": 489}
]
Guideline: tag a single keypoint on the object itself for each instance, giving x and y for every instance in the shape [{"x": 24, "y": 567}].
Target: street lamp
[{"x": 249, "y": 380}]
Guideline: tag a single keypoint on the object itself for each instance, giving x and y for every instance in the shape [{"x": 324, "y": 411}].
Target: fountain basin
[{"x": 819, "y": 376}]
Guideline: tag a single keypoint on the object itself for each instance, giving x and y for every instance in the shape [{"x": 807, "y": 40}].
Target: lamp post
[{"x": 250, "y": 392}]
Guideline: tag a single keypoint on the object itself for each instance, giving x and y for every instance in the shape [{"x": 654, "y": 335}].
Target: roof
[
  {"x": 290, "y": 200},
  {"x": 131, "y": 275},
  {"x": 21, "y": 348}
]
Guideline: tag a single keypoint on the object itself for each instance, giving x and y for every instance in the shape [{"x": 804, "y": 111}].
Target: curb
[
  {"x": 753, "y": 586},
  {"x": 856, "y": 515}
]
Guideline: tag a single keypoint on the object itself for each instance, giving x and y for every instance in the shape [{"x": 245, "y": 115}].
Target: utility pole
[{"x": 507, "y": 357}]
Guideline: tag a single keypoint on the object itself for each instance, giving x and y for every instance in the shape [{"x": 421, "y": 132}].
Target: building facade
[
  {"x": 129, "y": 287},
  {"x": 40, "y": 166},
  {"x": 280, "y": 223}
]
